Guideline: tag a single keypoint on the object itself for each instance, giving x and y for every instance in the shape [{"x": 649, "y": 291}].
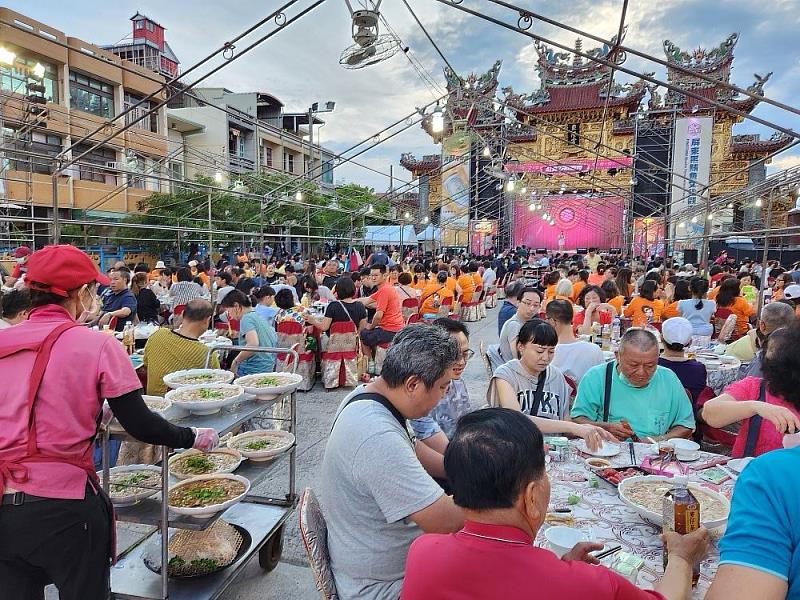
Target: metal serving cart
[{"x": 263, "y": 517}]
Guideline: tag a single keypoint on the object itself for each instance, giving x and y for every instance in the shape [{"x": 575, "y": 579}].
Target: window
[
  {"x": 139, "y": 164},
  {"x": 91, "y": 95},
  {"x": 327, "y": 171},
  {"x": 235, "y": 142},
  {"x": 137, "y": 115},
  {"x": 176, "y": 175},
  {"x": 150, "y": 26},
  {"x": 266, "y": 156},
  {"x": 99, "y": 165},
  {"x": 140, "y": 24},
  {"x": 288, "y": 162},
  {"x": 306, "y": 165},
  {"x": 14, "y": 78},
  {"x": 574, "y": 133},
  {"x": 30, "y": 142}
]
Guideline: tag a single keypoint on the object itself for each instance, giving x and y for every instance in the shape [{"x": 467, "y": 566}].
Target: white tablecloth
[
  {"x": 721, "y": 375},
  {"x": 602, "y": 513}
]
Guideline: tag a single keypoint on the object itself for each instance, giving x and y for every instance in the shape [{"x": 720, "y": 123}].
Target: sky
[{"x": 300, "y": 66}]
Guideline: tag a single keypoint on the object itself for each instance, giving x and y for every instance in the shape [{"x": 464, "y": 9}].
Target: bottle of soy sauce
[{"x": 681, "y": 513}]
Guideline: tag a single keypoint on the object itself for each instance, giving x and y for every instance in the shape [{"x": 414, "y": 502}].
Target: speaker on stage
[{"x": 690, "y": 257}]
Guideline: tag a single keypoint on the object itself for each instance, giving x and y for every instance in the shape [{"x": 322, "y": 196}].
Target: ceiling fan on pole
[{"x": 370, "y": 47}]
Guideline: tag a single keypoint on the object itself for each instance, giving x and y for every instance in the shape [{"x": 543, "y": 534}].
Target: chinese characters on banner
[{"x": 691, "y": 170}]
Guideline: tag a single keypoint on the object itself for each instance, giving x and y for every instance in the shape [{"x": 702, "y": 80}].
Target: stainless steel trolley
[{"x": 263, "y": 517}]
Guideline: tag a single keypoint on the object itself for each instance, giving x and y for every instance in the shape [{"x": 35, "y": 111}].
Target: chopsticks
[{"x": 609, "y": 552}]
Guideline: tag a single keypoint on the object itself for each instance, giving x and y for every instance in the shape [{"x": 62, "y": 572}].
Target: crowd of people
[{"x": 424, "y": 494}]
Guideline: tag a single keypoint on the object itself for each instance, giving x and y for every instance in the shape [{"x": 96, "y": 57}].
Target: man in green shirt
[{"x": 645, "y": 400}]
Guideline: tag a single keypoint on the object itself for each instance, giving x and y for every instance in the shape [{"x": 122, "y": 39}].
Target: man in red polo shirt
[
  {"x": 21, "y": 255},
  {"x": 388, "y": 319},
  {"x": 495, "y": 465}
]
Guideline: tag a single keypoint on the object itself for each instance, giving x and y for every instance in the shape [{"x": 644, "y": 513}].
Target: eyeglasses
[
  {"x": 468, "y": 354},
  {"x": 530, "y": 303}
]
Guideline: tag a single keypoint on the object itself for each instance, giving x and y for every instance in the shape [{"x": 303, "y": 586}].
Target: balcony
[{"x": 241, "y": 164}]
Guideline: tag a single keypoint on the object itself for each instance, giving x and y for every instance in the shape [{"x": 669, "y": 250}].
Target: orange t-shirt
[
  {"x": 743, "y": 311},
  {"x": 577, "y": 288},
  {"x": 712, "y": 293},
  {"x": 617, "y": 303},
  {"x": 671, "y": 311},
  {"x": 467, "y": 287},
  {"x": 596, "y": 279},
  {"x": 427, "y": 297},
  {"x": 451, "y": 284},
  {"x": 636, "y": 311},
  {"x": 388, "y": 302},
  {"x": 550, "y": 292},
  {"x": 421, "y": 283},
  {"x": 476, "y": 279}
]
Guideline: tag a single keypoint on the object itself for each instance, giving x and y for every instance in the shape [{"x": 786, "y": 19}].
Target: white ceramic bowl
[
  {"x": 221, "y": 450},
  {"x": 139, "y": 494},
  {"x": 657, "y": 518},
  {"x": 562, "y": 539},
  {"x": 171, "y": 380},
  {"x": 284, "y": 439},
  {"x": 290, "y": 382},
  {"x": 204, "y": 511},
  {"x": 596, "y": 463},
  {"x": 205, "y": 407},
  {"x": 684, "y": 448}
]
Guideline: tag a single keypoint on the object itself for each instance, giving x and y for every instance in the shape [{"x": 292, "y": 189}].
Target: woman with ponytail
[{"x": 698, "y": 311}]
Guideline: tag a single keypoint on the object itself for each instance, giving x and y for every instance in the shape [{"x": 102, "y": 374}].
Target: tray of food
[
  {"x": 192, "y": 463},
  {"x": 615, "y": 475},
  {"x": 205, "y": 399},
  {"x": 206, "y": 495},
  {"x": 130, "y": 484},
  {"x": 186, "y": 377},
  {"x": 268, "y": 386},
  {"x": 262, "y": 445},
  {"x": 646, "y": 494},
  {"x": 199, "y": 553}
]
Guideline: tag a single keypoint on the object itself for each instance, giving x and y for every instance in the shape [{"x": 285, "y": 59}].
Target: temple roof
[
  {"x": 753, "y": 144},
  {"x": 715, "y": 64},
  {"x": 571, "y": 82},
  {"x": 429, "y": 162}
]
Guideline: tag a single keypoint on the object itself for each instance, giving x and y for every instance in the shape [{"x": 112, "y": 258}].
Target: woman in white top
[
  {"x": 404, "y": 289},
  {"x": 698, "y": 311}
]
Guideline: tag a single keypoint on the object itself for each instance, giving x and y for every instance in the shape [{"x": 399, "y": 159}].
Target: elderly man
[
  {"x": 509, "y": 307},
  {"x": 497, "y": 472},
  {"x": 633, "y": 397},
  {"x": 747, "y": 348},
  {"x": 529, "y": 303},
  {"x": 376, "y": 496},
  {"x": 118, "y": 301}
]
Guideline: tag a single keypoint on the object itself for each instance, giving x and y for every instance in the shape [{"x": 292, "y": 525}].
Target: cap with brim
[
  {"x": 59, "y": 269},
  {"x": 22, "y": 252},
  {"x": 792, "y": 292},
  {"x": 160, "y": 265},
  {"x": 192, "y": 263},
  {"x": 676, "y": 330}
]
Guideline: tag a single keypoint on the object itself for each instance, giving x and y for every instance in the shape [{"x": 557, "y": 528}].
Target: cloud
[{"x": 300, "y": 63}]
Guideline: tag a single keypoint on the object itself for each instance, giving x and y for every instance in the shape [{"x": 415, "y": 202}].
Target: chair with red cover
[
  {"x": 380, "y": 356},
  {"x": 290, "y": 332},
  {"x": 340, "y": 359},
  {"x": 470, "y": 311},
  {"x": 447, "y": 310},
  {"x": 491, "y": 296},
  {"x": 480, "y": 296},
  {"x": 712, "y": 439},
  {"x": 719, "y": 319},
  {"x": 409, "y": 307}
]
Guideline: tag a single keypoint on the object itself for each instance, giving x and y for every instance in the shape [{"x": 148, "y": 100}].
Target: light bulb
[
  {"x": 546, "y": 217},
  {"x": 487, "y": 152},
  {"x": 710, "y": 216},
  {"x": 298, "y": 196},
  {"x": 694, "y": 219},
  {"x": 758, "y": 202},
  {"x": 6, "y": 56},
  {"x": 523, "y": 190},
  {"x": 218, "y": 176},
  {"x": 38, "y": 70},
  {"x": 406, "y": 215},
  {"x": 510, "y": 185},
  {"x": 730, "y": 205},
  {"x": 437, "y": 121},
  {"x": 370, "y": 209},
  {"x": 682, "y": 224}
]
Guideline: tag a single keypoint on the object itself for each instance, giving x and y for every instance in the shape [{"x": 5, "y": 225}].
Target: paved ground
[{"x": 292, "y": 578}]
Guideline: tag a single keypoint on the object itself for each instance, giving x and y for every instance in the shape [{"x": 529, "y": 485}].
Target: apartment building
[
  {"x": 251, "y": 134},
  {"x": 85, "y": 88}
]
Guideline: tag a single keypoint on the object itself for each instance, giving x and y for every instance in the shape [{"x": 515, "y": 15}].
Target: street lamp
[
  {"x": 486, "y": 152},
  {"x": 218, "y": 176},
  {"x": 437, "y": 120},
  {"x": 298, "y": 196},
  {"x": 510, "y": 185}
]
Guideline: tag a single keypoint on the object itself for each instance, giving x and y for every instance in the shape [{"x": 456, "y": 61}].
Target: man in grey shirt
[
  {"x": 530, "y": 303},
  {"x": 376, "y": 496}
]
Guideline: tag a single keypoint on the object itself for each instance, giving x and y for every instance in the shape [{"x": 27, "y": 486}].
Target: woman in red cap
[
  {"x": 55, "y": 522},
  {"x": 21, "y": 255}
]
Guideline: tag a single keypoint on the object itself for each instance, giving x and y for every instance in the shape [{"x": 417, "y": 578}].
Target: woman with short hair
[{"x": 253, "y": 331}]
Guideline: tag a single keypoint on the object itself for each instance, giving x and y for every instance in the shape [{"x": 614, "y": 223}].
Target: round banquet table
[
  {"x": 720, "y": 373},
  {"x": 602, "y": 514}
]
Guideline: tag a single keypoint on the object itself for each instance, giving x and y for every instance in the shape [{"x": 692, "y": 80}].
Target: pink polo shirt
[
  {"x": 499, "y": 561},
  {"x": 85, "y": 368}
]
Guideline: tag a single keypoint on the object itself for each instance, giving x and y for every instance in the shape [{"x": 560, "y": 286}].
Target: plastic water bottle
[{"x": 615, "y": 331}]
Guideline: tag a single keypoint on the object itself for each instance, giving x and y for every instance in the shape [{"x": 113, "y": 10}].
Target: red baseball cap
[
  {"x": 22, "y": 252},
  {"x": 58, "y": 269}
]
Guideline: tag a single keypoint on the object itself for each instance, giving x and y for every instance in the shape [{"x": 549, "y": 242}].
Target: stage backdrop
[{"x": 580, "y": 222}]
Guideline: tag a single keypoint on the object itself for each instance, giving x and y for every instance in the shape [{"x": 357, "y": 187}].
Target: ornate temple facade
[{"x": 584, "y": 149}]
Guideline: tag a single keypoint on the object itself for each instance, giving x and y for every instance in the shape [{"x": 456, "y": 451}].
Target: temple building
[{"x": 586, "y": 160}]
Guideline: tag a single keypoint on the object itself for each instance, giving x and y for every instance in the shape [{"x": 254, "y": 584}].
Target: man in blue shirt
[
  {"x": 760, "y": 552},
  {"x": 118, "y": 300},
  {"x": 645, "y": 400},
  {"x": 509, "y": 307}
]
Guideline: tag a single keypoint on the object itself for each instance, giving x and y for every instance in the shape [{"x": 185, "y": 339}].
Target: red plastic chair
[
  {"x": 342, "y": 347},
  {"x": 720, "y": 316},
  {"x": 178, "y": 310},
  {"x": 720, "y": 439},
  {"x": 413, "y": 318},
  {"x": 446, "y": 304},
  {"x": 409, "y": 306}
]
